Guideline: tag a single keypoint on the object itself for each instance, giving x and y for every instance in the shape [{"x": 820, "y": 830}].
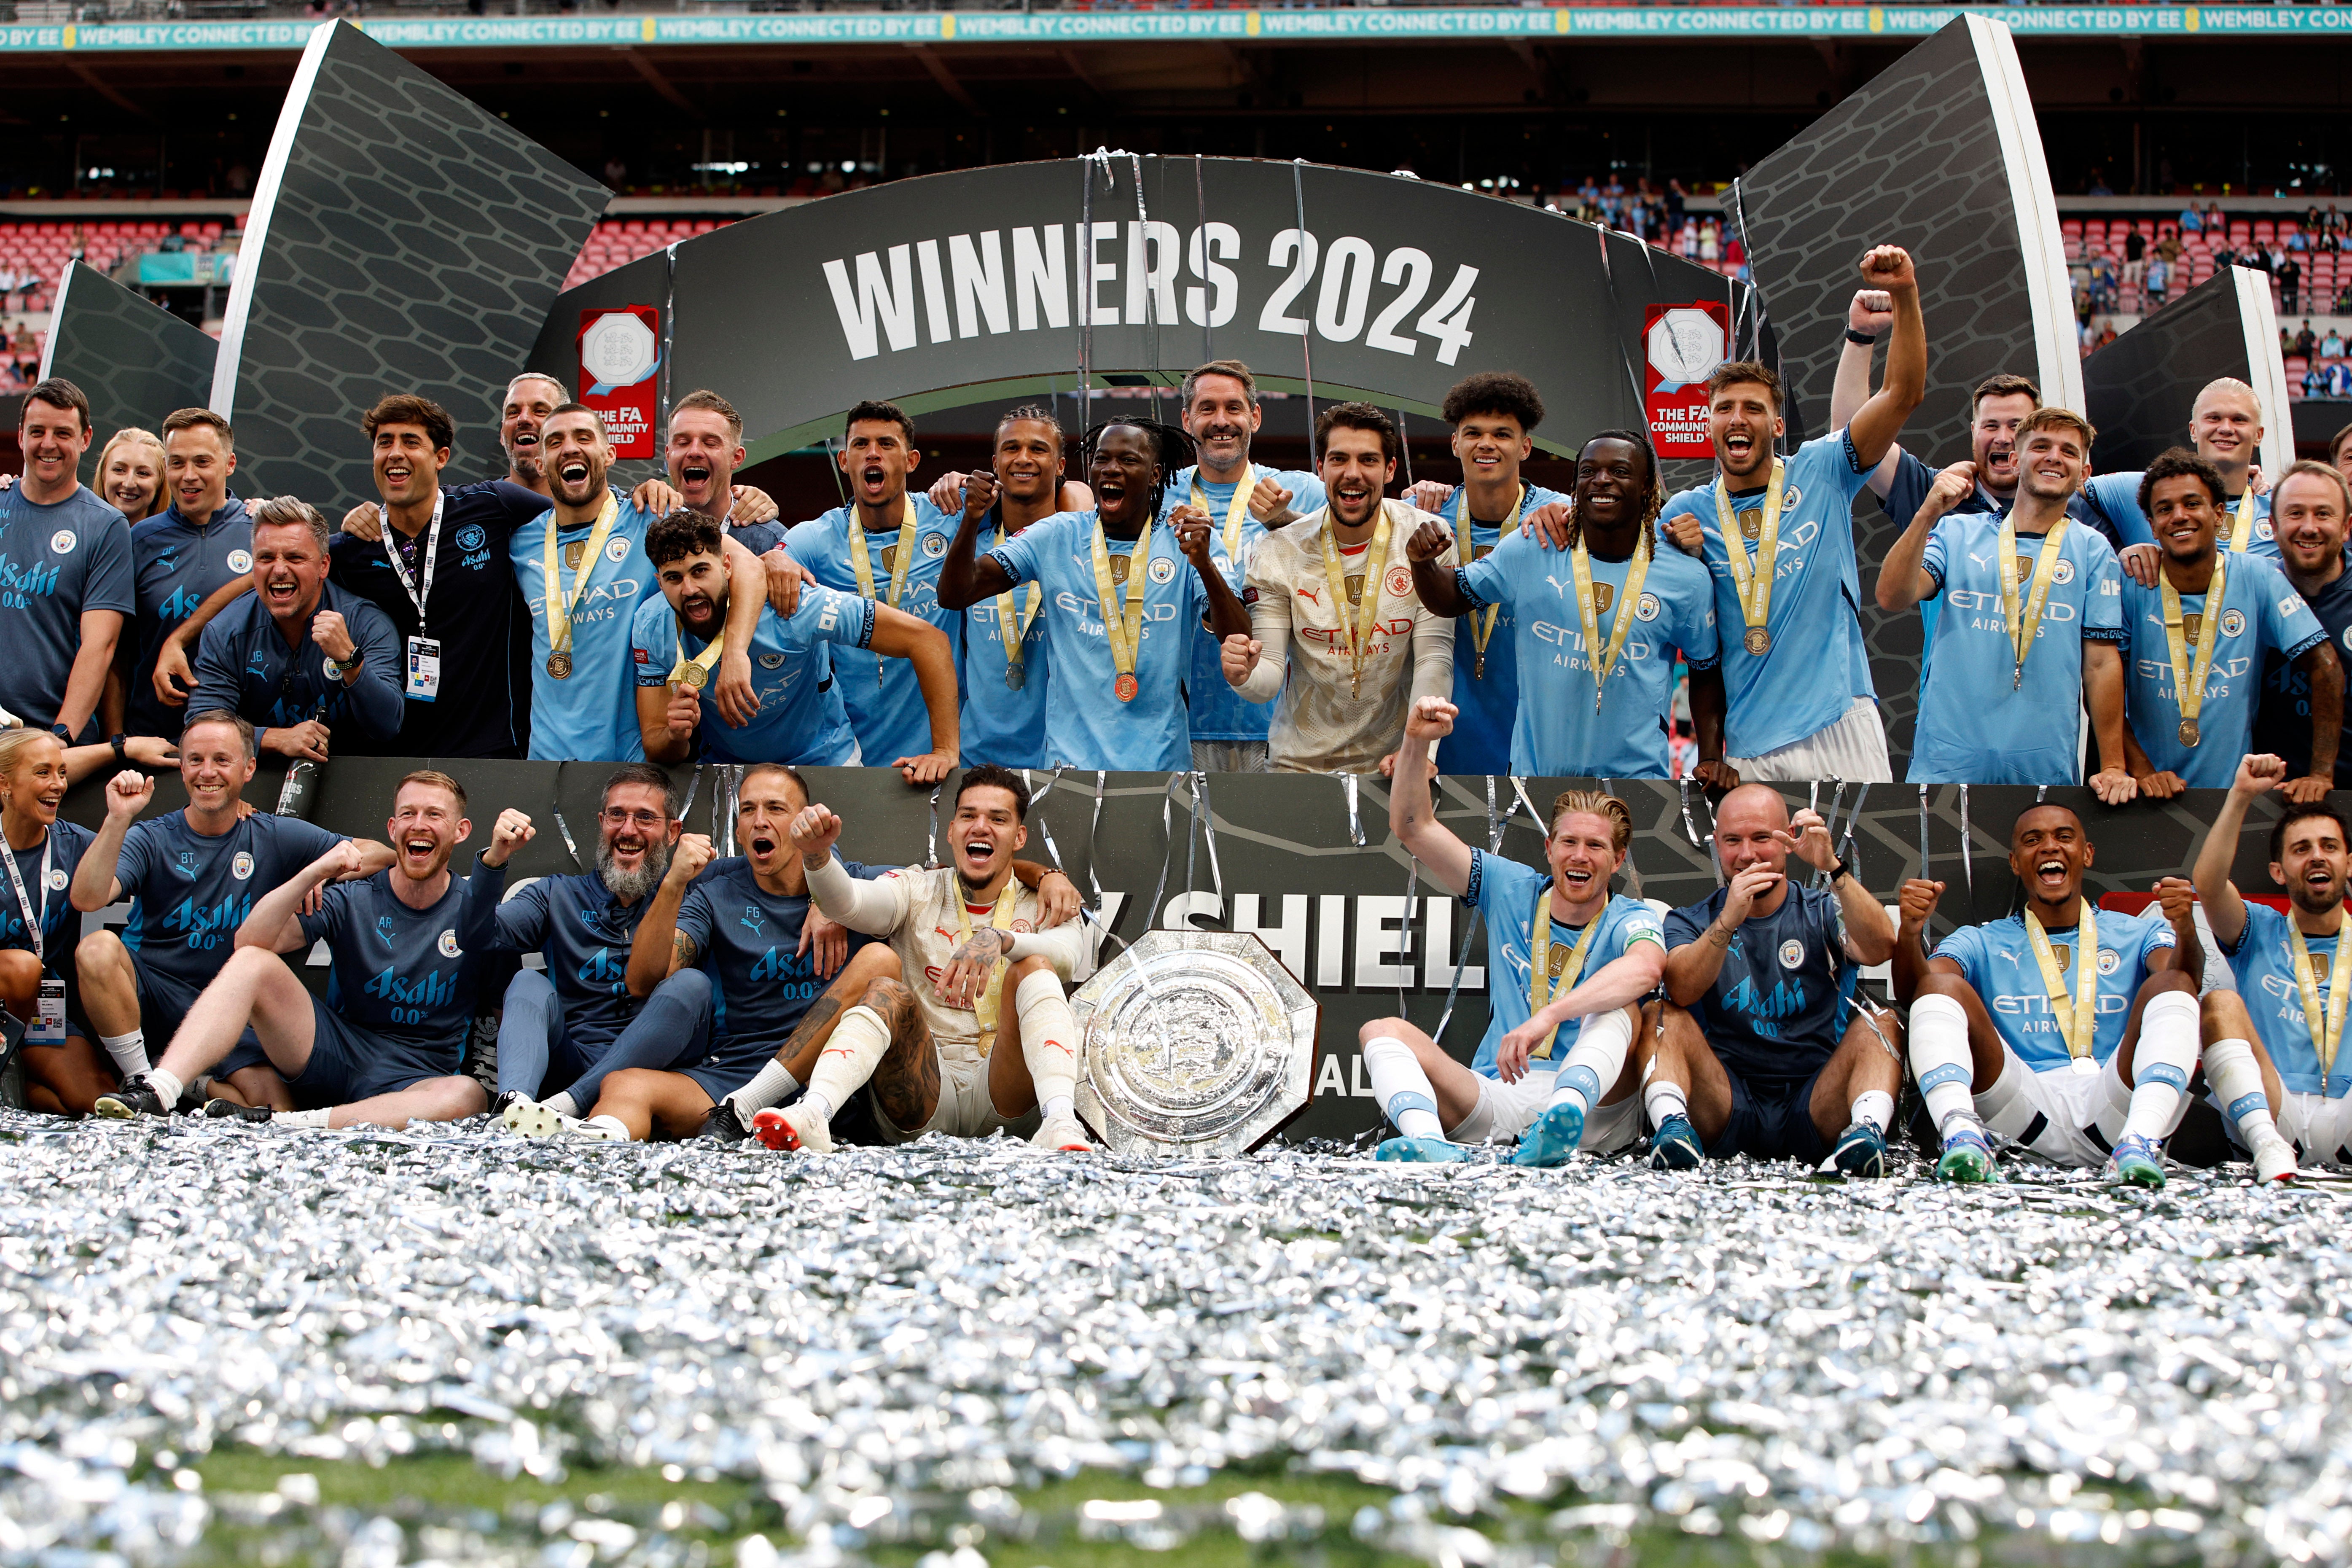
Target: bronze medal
[
  {"x": 1758, "y": 641},
  {"x": 1125, "y": 687},
  {"x": 1478, "y": 668},
  {"x": 694, "y": 675},
  {"x": 1015, "y": 677},
  {"x": 2188, "y": 731},
  {"x": 558, "y": 664}
]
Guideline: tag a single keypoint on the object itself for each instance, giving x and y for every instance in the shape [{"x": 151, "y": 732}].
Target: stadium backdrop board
[
  {"x": 2141, "y": 386},
  {"x": 134, "y": 362},
  {"x": 1330, "y": 910}
]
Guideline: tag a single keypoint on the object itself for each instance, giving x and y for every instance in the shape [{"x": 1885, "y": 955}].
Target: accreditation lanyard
[
  {"x": 1236, "y": 510},
  {"x": 1637, "y": 572},
  {"x": 2327, "y": 1032},
  {"x": 419, "y": 596},
  {"x": 563, "y": 604},
  {"x": 2241, "y": 530},
  {"x": 2189, "y": 675},
  {"x": 1122, "y": 628},
  {"x": 2025, "y": 626},
  {"x": 2077, "y": 1020},
  {"x": 1752, "y": 578},
  {"x": 1015, "y": 624},
  {"x": 863, "y": 563},
  {"x": 989, "y": 1006},
  {"x": 33, "y": 916},
  {"x": 1482, "y": 622},
  {"x": 1540, "y": 991},
  {"x": 1359, "y": 631}
]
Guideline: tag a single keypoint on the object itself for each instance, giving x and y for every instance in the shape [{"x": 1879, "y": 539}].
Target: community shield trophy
[{"x": 1195, "y": 1043}]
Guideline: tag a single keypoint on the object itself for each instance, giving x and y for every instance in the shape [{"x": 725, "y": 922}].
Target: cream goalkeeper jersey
[
  {"x": 916, "y": 910},
  {"x": 1341, "y": 678}
]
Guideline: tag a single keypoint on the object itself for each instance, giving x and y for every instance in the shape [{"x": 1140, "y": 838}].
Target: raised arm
[
  {"x": 659, "y": 950},
  {"x": 1413, "y": 813},
  {"x": 1432, "y": 656},
  {"x": 874, "y": 909},
  {"x": 1875, "y": 425},
  {"x": 276, "y": 923},
  {"x": 1917, "y": 903},
  {"x": 2225, "y": 911},
  {"x": 1870, "y": 313},
  {"x": 965, "y": 580},
  {"x": 1196, "y": 537},
  {"x": 1430, "y": 551},
  {"x": 1256, "y": 664},
  {"x": 95, "y": 884},
  {"x": 1903, "y": 579}
]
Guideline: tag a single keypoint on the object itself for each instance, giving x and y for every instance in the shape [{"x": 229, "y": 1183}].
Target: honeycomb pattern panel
[
  {"x": 134, "y": 360},
  {"x": 415, "y": 244}
]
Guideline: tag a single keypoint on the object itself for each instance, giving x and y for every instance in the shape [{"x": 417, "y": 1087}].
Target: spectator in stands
[
  {"x": 2315, "y": 383},
  {"x": 2098, "y": 186},
  {"x": 2134, "y": 259},
  {"x": 2190, "y": 222},
  {"x": 2339, "y": 381},
  {"x": 70, "y": 552},
  {"x": 2160, "y": 279},
  {"x": 2214, "y": 221},
  {"x": 2332, "y": 346},
  {"x": 130, "y": 474},
  {"x": 2290, "y": 281},
  {"x": 2306, "y": 342},
  {"x": 1709, "y": 242},
  {"x": 2171, "y": 249}
]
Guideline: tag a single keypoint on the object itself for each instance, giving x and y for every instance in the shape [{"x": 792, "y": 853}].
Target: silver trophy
[{"x": 1193, "y": 1043}]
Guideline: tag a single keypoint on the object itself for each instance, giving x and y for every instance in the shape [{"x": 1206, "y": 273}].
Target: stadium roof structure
[{"x": 1645, "y": 24}]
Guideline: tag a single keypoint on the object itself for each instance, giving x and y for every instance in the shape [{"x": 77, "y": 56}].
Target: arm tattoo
[
  {"x": 682, "y": 952},
  {"x": 813, "y": 1023}
]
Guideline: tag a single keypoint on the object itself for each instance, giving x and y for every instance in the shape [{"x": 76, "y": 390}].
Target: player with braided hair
[
  {"x": 1596, "y": 626},
  {"x": 1122, "y": 594}
]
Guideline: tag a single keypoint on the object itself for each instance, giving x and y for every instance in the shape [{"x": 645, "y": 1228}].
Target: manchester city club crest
[
  {"x": 471, "y": 538},
  {"x": 1792, "y": 953},
  {"x": 240, "y": 560},
  {"x": 327, "y": 668},
  {"x": 617, "y": 550},
  {"x": 1163, "y": 569},
  {"x": 1646, "y": 608},
  {"x": 62, "y": 541},
  {"x": 2109, "y": 960},
  {"x": 241, "y": 867},
  {"x": 934, "y": 545},
  {"x": 2233, "y": 623},
  {"x": 2064, "y": 572},
  {"x": 448, "y": 944}
]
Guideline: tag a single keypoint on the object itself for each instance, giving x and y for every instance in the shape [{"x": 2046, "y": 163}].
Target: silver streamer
[
  {"x": 1351, "y": 786},
  {"x": 1925, "y": 875},
  {"x": 724, "y": 791},
  {"x": 893, "y": 1348},
  {"x": 1852, "y": 818},
  {"x": 1967, "y": 850},
  {"x": 1207, "y": 812},
  {"x": 564, "y": 828},
  {"x": 931, "y": 842},
  {"x": 693, "y": 786},
  {"x": 1820, "y": 878},
  {"x": 1495, "y": 822}
]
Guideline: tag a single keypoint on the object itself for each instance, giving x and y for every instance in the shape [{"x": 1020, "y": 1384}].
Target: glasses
[{"x": 642, "y": 818}]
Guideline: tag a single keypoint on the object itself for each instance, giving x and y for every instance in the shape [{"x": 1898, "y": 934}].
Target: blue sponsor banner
[{"x": 1373, "y": 22}]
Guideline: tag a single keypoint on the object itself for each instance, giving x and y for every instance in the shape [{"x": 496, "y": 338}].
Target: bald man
[
  {"x": 1762, "y": 1048},
  {"x": 2225, "y": 424}
]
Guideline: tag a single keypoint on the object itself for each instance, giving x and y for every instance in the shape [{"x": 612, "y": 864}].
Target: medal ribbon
[
  {"x": 2078, "y": 1020},
  {"x": 863, "y": 563},
  {"x": 1123, "y": 630},
  {"x": 1637, "y": 571},
  {"x": 1751, "y": 577},
  {"x": 33, "y": 918},
  {"x": 1482, "y": 622},
  {"x": 432, "y": 554},
  {"x": 1236, "y": 510},
  {"x": 558, "y": 629},
  {"x": 2242, "y": 531},
  {"x": 2023, "y": 628},
  {"x": 989, "y": 1006},
  {"x": 2188, "y": 676},
  {"x": 2328, "y": 1033},
  {"x": 1368, "y": 609},
  {"x": 701, "y": 661},
  {"x": 1540, "y": 991},
  {"x": 1015, "y": 624}
]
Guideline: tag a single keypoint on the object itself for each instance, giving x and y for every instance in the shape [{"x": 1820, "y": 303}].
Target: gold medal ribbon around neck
[
  {"x": 2327, "y": 1029},
  {"x": 1236, "y": 510},
  {"x": 1751, "y": 577},
  {"x": 1540, "y": 990},
  {"x": 862, "y": 562},
  {"x": 1123, "y": 628},
  {"x": 1482, "y": 622},
  {"x": 989, "y": 1006},
  {"x": 1015, "y": 624},
  {"x": 1637, "y": 572},
  {"x": 696, "y": 672},
  {"x": 2241, "y": 530},
  {"x": 2187, "y": 675},
  {"x": 2078, "y": 1020},
  {"x": 559, "y": 626},
  {"x": 1368, "y": 609},
  {"x": 2023, "y": 628}
]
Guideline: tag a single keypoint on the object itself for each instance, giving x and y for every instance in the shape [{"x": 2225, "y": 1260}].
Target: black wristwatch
[
  {"x": 1839, "y": 869},
  {"x": 116, "y": 742},
  {"x": 62, "y": 733},
  {"x": 1863, "y": 340}
]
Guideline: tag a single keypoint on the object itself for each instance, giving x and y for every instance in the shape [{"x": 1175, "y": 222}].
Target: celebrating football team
[{"x": 1153, "y": 598}]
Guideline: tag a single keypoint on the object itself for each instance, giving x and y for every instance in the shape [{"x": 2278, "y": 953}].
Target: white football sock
[
  {"x": 1406, "y": 1095},
  {"x": 1595, "y": 1062},
  {"x": 1662, "y": 1098},
  {"x": 773, "y": 1084},
  {"x": 302, "y": 1117},
  {"x": 128, "y": 1051},
  {"x": 1060, "y": 1105},
  {"x": 2236, "y": 1079},
  {"x": 562, "y": 1104},
  {"x": 848, "y": 1060},
  {"x": 1940, "y": 1060},
  {"x": 1873, "y": 1108},
  {"x": 2161, "y": 1063},
  {"x": 1049, "y": 1037},
  {"x": 167, "y": 1086},
  {"x": 611, "y": 1129}
]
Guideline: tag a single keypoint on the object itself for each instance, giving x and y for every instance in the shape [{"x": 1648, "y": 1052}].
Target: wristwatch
[
  {"x": 62, "y": 733},
  {"x": 344, "y": 666},
  {"x": 1839, "y": 869},
  {"x": 116, "y": 742}
]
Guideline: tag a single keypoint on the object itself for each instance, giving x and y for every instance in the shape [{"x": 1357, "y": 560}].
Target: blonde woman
[
  {"x": 63, "y": 1072},
  {"x": 130, "y": 474}
]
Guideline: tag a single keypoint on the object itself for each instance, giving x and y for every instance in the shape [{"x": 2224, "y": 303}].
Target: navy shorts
[
  {"x": 348, "y": 1064},
  {"x": 163, "y": 1004},
  {"x": 729, "y": 1064},
  {"x": 1771, "y": 1119}
]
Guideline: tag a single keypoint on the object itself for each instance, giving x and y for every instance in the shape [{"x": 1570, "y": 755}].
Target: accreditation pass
[{"x": 424, "y": 668}]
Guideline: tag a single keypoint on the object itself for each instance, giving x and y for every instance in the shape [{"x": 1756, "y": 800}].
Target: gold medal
[
  {"x": 1358, "y": 630},
  {"x": 1012, "y": 626},
  {"x": 2188, "y": 731},
  {"x": 1758, "y": 641},
  {"x": 1015, "y": 677},
  {"x": 2078, "y": 1019},
  {"x": 1751, "y": 577},
  {"x": 1543, "y": 984},
  {"x": 558, "y": 664},
  {"x": 694, "y": 675},
  {"x": 1479, "y": 666}
]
